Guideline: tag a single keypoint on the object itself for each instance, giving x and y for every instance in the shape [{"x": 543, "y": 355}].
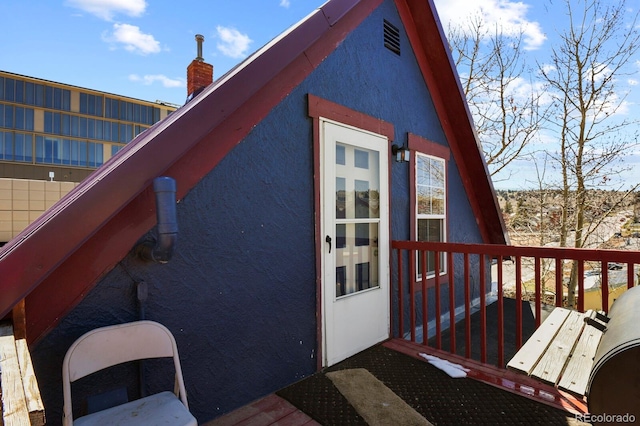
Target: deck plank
[
  {"x": 552, "y": 363},
  {"x": 14, "y": 406},
  {"x": 30, "y": 384},
  {"x": 243, "y": 413},
  {"x": 532, "y": 351},
  {"x": 270, "y": 410},
  {"x": 296, "y": 418},
  {"x": 276, "y": 411},
  {"x": 576, "y": 375}
]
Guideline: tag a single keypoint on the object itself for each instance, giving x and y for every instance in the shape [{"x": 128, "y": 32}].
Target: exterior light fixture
[{"x": 401, "y": 153}]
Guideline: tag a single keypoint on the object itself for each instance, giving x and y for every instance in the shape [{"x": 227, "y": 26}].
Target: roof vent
[
  {"x": 199, "y": 41},
  {"x": 391, "y": 37}
]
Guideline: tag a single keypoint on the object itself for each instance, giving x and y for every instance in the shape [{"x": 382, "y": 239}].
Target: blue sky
[
  {"x": 540, "y": 22},
  {"x": 141, "y": 48},
  {"x": 137, "y": 48}
]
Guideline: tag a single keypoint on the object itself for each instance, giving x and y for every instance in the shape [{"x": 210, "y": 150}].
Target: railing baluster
[
  {"x": 580, "y": 286},
  {"x": 500, "y": 315},
  {"x": 518, "y": 302},
  {"x": 400, "y": 301},
  {"x": 483, "y": 309},
  {"x": 425, "y": 318},
  {"x": 538, "y": 290},
  {"x": 543, "y": 258},
  {"x": 467, "y": 306},
  {"x": 452, "y": 304},
  {"x": 605, "y": 286},
  {"x": 437, "y": 300},
  {"x": 412, "y": 295},
  {"x": 559, "y": 275}
]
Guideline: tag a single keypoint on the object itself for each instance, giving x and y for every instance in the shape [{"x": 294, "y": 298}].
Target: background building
[{"x": 53, "y": 135}]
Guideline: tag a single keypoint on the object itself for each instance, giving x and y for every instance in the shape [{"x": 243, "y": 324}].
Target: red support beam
[
  {"x": 483, "y": 310},
  {"x": 604, "y": 289},
  {"x": 437, "y": 300},
  {"x": 412, "y": 295},
  {"x": 425, "y": 318},
  {"x": 452, "y": 303},
  {"x": 518, "y": 304},
  {"x": 400, "y": 298},
  {"x": 539, "y": 294},
  {"x": 19, "y": 320},
  {"x": 580, "y": 286},
  {"x": 500, "y": 302},
  {"x": 559, "y": 276},
  {"x": 467, "y": 306}
]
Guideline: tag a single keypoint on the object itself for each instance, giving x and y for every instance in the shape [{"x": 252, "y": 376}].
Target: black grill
[{"x": 391, "y": 37}]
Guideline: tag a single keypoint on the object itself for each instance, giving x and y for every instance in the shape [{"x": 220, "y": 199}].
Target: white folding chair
[{"x": 116, "y": 344}]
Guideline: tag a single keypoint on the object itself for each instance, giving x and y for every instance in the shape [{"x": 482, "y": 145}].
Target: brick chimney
[{"x": 199, "y": 73}]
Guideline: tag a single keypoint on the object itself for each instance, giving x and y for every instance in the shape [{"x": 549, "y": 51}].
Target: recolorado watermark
[{"x": 606, "y": 418}]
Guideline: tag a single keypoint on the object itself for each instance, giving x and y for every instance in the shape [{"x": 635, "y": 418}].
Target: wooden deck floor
[
  {"x": 273, "y": 410},
  {"x": 270, "y": 410}
]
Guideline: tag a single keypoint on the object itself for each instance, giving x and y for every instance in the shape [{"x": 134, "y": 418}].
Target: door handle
[{"x": 328, "y": 240}]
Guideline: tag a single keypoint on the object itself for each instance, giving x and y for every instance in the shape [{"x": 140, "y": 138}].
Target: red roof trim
[{"x": 423, "y": 27}]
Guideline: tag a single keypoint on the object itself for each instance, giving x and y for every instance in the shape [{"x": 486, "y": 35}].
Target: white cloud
[
  {"x": 285, "y": 3},
  {"x": 148, "y": 80},
  {"x": 548, "y": 68},
  {"x": 106, "y": 9},
  {"x": 133, "y": 39},
  {"x": 232, "y": 42},
  {"x": 509, "y": 16},
  {"x": 632, "y": 82}
]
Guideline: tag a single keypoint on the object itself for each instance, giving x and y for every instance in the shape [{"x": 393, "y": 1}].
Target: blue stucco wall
[{"x": 239, "y": 293}]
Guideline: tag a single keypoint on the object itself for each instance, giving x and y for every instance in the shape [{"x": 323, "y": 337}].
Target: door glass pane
[
  {"x": 341, "y": 236},
  {"x": 341, "y": 212},
  {"x": 340, "y": 153},
  {"x": 356, "y": 257},
  {"x": 361, "y": 158},
  {"x": 362, "y": 198},
  {"x": 357, "y": 219},
  {"x": 357, "y": 186}
]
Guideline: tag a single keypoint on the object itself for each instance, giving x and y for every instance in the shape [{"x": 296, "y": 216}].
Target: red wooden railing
[{"x": 460, "y": 271}]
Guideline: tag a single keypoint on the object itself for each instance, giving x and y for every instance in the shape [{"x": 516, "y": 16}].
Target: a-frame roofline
[{"x": 57, "y": 259}]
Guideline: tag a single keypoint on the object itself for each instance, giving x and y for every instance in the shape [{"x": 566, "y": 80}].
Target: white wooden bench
[
  {"x": 561, "y": 350},
  {"x": 21, "y": 401}
]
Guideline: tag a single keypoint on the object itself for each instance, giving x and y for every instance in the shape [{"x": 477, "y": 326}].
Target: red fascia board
[
  {"x": 432, "y": 52},
  {"x": 187, "y": 147},
  {"x": 334, "y": 11}
]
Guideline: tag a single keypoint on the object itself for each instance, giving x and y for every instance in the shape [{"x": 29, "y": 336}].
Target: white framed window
[{"x": 431, "y": 207}]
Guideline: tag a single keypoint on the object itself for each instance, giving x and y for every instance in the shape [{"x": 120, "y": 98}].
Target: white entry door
[{"x": 355, "y": 232}]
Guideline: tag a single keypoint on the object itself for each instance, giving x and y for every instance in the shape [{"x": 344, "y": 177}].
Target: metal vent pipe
[
  {"x": 199, "y": 40},
  {"x": 162, "y": 250}
]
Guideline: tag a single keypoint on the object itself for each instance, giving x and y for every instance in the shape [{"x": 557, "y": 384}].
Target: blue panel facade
[{"x": 240, "y": 291}]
